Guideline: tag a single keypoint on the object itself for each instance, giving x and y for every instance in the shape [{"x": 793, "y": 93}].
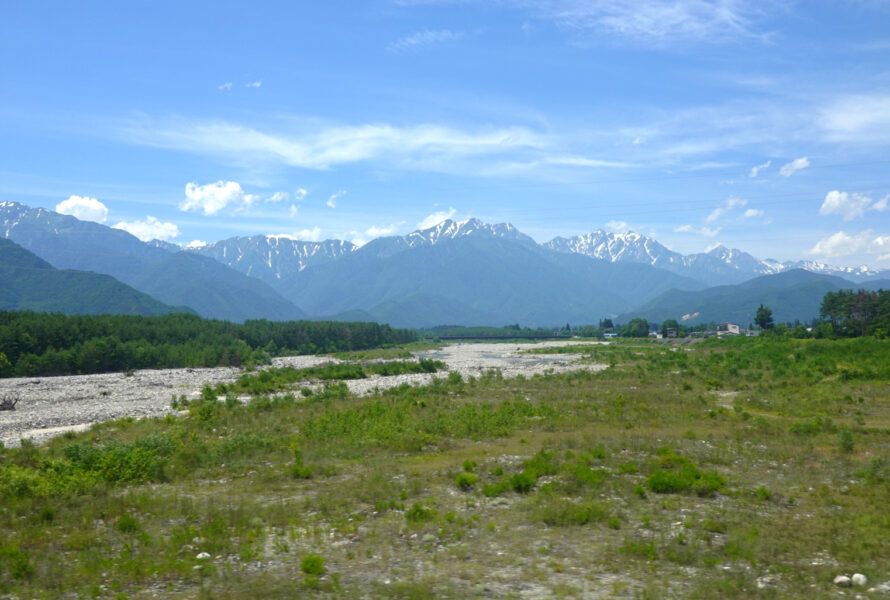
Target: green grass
[{"x": 678, "y": 472}]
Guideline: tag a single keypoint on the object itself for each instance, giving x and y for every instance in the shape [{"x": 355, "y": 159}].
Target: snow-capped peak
[{"x": 450, "y": 230}]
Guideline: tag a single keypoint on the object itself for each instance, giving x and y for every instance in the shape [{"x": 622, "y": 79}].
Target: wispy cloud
[
  {"x": 653, "y": 22},
  {"x": 225, "y": 87},
  {"x": 752, "y": 213},
  {"x": 863, "y": 118},
  {"x": 731, "y": 203},
  {"x": 337, "y": 145},
  {"x": 213, "y": 197},
  {"x": 84, "y": 208},
  {"x": 300, "y": 194},
  {"x": 254, "y": 84},
  {"x": 332, "y": 200},
  {"x": 149, "y": 229},
  {"x": 426, "y": 37},
  {"x": 278, "y": 197},
  {"x": 798, "y": 164},
  {"x": 755, "y": 171}
]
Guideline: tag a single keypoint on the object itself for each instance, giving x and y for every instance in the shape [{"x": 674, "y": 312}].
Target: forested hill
[
  {"x": 56, "y": 344},
  {"x": 27, "y": 282}
]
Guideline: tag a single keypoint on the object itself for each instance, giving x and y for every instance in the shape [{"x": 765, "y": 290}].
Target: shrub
[
  {"x": 466, "y": 481},
  {"x": 313, "y": 564},
  {"x": 128, "y": 524},
  {"x": 678, "y": 475},
  {"x": 418, "y": 514},
  {"x": 523, "y": 482}
]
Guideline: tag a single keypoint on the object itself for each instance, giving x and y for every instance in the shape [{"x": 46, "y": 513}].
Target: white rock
[
  {"x": 843, "y": 581},
  {"x": 859, "y": 579},
  {"x": 203, "y": 556}
]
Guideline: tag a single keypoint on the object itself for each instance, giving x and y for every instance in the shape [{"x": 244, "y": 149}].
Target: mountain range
[
  {"x": 456, "y": 272},
  {"x": 175, "y": 278}
]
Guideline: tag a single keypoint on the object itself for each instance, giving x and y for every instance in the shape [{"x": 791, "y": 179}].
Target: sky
[{"x": 759, "y": 125}]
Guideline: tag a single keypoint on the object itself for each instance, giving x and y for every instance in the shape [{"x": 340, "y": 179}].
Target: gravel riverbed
[{"x": 49, "y": 406}]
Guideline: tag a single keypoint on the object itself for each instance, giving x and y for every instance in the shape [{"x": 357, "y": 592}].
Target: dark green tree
[
  {"x": 764, "y": 317},
  {"x": 637, "y": 327}
]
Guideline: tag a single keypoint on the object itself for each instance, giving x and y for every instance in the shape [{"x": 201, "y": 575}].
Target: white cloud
[
  {"x": 277, "y": 197},
  {"x": 421, "y": 146},
  {"x": 617, "y": 226},
  {"x": 213, "y": 197},
  {"x": 850, "y": 206},
  {"x": 332, "y": 200},
  {"x": 857, "y": 118},
  {"x": 882, "y": 204},
  {"x": 225, "y": 87},
  {"x": 84, "y": 208},
  {"x": 752, "y": 213},
  {"x": 254, "y": 84},
  {"x": 294, "y": 209},
  {"x": 149, "y": 229},
  {"x": 374, "y": 232},
  {"x": 436, "y": 218},
  {"x": 300, "y": 194},
  {"x": 731, "y": 203},
  {"x": 196, "y": 244},
  {"x": 425, "y": 38},
  {"x": 712, "y": 246},
  {"x": 704, "y": 231},
  {"x": 755, "y": 171},
  {"x": 794, "y": 166},
  {"x": 840, "y": 244},
  {"x": 309, "y": 235}
]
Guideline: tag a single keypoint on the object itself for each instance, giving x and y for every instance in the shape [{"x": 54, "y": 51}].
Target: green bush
[
  {"x": 466, "y": 481},
  {"x": 313, "y": 564},
  {"x": 523, "y": 482},
  {"x": 418, "y": 514}
]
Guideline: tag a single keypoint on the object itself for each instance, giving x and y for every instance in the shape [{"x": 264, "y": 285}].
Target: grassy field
[{"x": 736, "y": 469}]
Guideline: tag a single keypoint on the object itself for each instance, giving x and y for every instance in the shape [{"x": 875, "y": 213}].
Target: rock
[
  {"x": 429, "y": 538},
  {"x": 767, "y": 581},
  {"x": 843, "y": 581},
  {"x": 203, "y": 556},
  {"x": 859, "y": 579}
]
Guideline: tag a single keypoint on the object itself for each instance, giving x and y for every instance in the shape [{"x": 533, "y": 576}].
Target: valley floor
[
  {"x": 49, "y": 406},
  {"x": 748, "y": 468}
]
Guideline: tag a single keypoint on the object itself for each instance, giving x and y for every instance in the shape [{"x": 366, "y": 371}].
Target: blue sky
[{"x": 763, "y": 126}]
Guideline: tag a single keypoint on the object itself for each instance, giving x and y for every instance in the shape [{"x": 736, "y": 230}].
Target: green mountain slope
[
  {"x": 793, "y": 295},
  {"x": 28, "y": 282}
]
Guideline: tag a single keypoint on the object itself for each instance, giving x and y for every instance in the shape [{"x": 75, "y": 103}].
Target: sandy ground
[{"x": 49, "y": 406}]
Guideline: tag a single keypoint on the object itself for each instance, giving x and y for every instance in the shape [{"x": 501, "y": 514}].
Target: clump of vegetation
[
  {"x": 675, "y": 474},
  {"x": 313, "y": 564}
]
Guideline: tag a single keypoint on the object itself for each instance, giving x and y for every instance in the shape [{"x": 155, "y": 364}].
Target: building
[{"x": 729, "y": 329}]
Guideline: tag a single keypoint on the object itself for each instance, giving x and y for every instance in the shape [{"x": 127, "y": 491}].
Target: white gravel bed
[{"x": 50, "y": 406}]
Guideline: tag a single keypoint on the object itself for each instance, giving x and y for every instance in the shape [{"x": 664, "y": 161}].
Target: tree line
[
  {"x": 857, "y": 313},
  {"x": 55, "y": 344}
]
